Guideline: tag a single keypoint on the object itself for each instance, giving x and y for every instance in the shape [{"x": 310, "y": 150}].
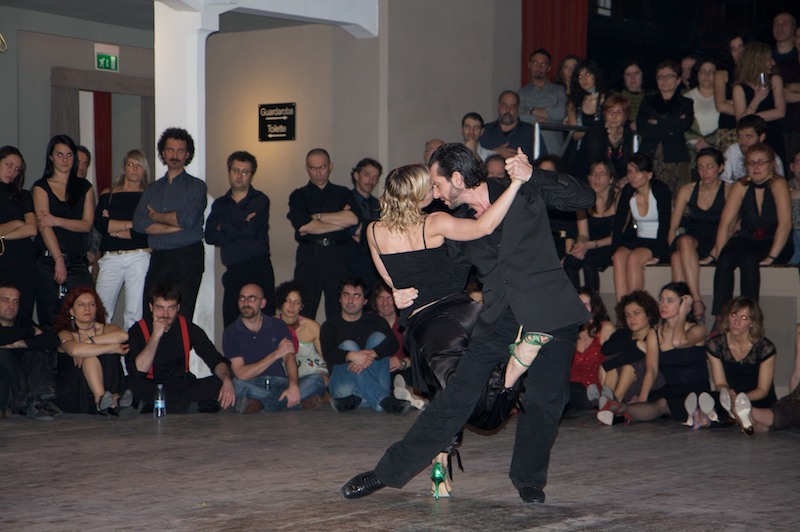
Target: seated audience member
[
  {"x": 724, "y": 81},
  {"x": 26, "y": 375},
  {"x": 496, "y": 167},
  {"x": 17, "y": 226},
  {"x": 760, "y": 92},
  {"x": 591, "y": 252},
  {"x": 703, "y": 132},
  {"x": 562, "y": 223},
  {"x": 631, "y": 366},
  {"x": 794, "y": 189},
  {"x": 742, "y": 362},
  {"x": 609, "y": 140},
  {"x": 357, "y": 347},
  {"x": 697, "y": 211},
  {"x": 681, "y": 361},
  {"x": 663, "y": 120},
  {"x": 261, "y": 351},
  {"x": 687, "y": 65},
  {"x": 159, "y": 354},
  {"x": 289, "y": 299},
  {"x": 585, "y": 103},
  {"x": 90, "y": 377},
  {"x": 508, "y": 132},
  {"x": 786, "y": 411},
  {"x": 762, "y": 206},
  {"x": 586, "y": 370},
  {"x": 471, "y": 131},
  {"x": 750, "y": 129},
  {"x": 633, "y": 91},
  {"x": 641, "y": 225},
  {"x": 430, "y": 147},
  {"x": 126, "y": 255}
]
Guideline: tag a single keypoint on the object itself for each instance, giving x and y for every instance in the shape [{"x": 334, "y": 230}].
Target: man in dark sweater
[
  {"x": 356, "y": 347},
  {"x": 26, "y": 368}
]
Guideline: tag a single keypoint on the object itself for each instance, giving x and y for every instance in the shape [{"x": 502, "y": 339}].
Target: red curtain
[
  {"x": 559, "y": 26},
  {"x": 101, "y": 157}
]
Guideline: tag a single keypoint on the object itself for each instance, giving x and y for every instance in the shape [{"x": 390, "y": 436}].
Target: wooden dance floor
[{"x": 283, "y": 471}]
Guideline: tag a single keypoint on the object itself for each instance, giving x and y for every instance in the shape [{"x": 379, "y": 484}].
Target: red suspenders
[{"x": 184, "y": 335}]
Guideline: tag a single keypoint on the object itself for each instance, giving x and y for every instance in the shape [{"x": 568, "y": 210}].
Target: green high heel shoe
[
  {"x": 532, "y": 338},
  {"x": 438, "y": 476}
]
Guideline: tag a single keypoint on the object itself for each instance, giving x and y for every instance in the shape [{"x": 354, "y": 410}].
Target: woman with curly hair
[
  {"x": 90, "y": 377},
  {"x": 408, "y": 248}
]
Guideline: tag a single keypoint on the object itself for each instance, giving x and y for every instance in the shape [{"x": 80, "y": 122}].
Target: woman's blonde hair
[
  {"x": 139, "y": 157},
  {"x": 755, "y": 60},
  {"x": 405, "y": 188}
]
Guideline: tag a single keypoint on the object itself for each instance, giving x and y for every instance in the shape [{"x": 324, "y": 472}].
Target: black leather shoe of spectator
[
  {"x": 392, "y": 405},
  {"x": 532, "y": 494},
  {"x": 362, "y": 485},
  {"x": 343, "y": 404}
]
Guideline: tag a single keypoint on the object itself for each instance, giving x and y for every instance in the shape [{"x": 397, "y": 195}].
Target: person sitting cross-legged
[
  {"x": 262, "y": 354},
  {"x": 357, "y": 347}
]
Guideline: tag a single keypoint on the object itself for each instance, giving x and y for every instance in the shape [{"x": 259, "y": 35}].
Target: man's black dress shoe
[
  {"x": 362, "y": 485},
  {"x": 532, "y": 494}
]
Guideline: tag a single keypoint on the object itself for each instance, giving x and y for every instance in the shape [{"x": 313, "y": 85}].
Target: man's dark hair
[
  {"x": 474, "y": 116},
  {"x": 541, "y": 51},
  {"x": 456, "y": 157},
  {"x": 176, "y": 133},
  {"x": 366, "y": 161},
  {"x": 753, "y": 121},
  {"x": 84, "y": 150},
  {"x": 244, "y": 157},
  {"x": 355, "y": 281},
  {"x": 284, "y": 289},
  {"x": 508, "y": 91},
  {"x": 12, "y": 286},
  {"x": 319, "y": 151},
  {"x": 165, "y": 291}
]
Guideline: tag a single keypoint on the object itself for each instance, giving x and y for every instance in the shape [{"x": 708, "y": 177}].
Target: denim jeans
[
  {"x": 256, "y": 388},
  {"x": 371, "y": 385}
]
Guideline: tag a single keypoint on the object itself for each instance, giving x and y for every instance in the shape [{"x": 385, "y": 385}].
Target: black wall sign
[{"x": 276, "y": 121}]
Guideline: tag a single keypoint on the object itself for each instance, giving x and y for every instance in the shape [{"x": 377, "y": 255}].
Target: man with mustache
[
  {"x": 508, "y": 133},
  {"x": 171, "y": 214}
]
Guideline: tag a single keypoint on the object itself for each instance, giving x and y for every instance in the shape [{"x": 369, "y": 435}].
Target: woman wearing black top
[
  {"x": 126, "y": 257},
  {"x": 64, "y": 206},
  {"x": 17, "y": 226}
]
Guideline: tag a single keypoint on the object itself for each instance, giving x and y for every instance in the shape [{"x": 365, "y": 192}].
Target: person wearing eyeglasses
[
  {"x": 171, "y": 214},
  {"x": 262, "y": 353},
  {"x": 239, "y": 226},
  {"x": 125, "y": 255},
  {"x": 750, "y": 129},
  {"x": 663, "y": 120},
  {"x": 761, "y": 202}
]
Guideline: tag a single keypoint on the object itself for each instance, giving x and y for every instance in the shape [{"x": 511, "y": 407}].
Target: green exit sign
[{"x": 107, "y": 62}]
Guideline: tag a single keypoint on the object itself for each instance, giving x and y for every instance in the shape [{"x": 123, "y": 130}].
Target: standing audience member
[
  {"x": 26, "y": 372},
  {"x": 508, "y": 132},
  {"x": 760, "y": 92},
  {"x": 703, "y": 132},
  {"x": 471, "y": 131},
  {"x": 794, "y": 190},
  {"x": 290, "y": 298},
  {"x": 785, "y": 55},
  {"x": 750, "y": 129},
  {"x": 64, "y": 206},
  {"x": 633, "y": 83},
  {"x": 92, "y": 238},
  {"x": 262, "y": 355},
  {"x": 365, "y": 176},
  {"x": 641, "y": 225},
  {"x": 565, "y": 69},
  {"x": 160, "y": 348},
  {"x": 239, "y": 225},
  {"x": 171, "y": 214},
  {"x": 321, "y": 214},
  {"x": 17, "y": 226},
  {"x": 724, "y": 80},
  {"x": 357, "y": 347},
  {"x": 698, "y": 208},
  {"x": 542, "y": 101},
  {"x": 754, "y": 229},
  {"x": 90, "y": 377},
  {"x": 687, "y": 64},
  {"x": 585, "y": 106},
  {"x": 663, "y": 120},
  {"x": 591, "y": 253},
  {"x": 126, "y": 257}
]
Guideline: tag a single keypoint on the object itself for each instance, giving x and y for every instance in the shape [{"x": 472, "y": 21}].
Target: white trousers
[{"x": 129, "y": 269}]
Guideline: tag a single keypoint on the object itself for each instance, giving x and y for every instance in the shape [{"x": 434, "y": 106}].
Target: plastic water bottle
[{"x": 160, "y": 402}]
